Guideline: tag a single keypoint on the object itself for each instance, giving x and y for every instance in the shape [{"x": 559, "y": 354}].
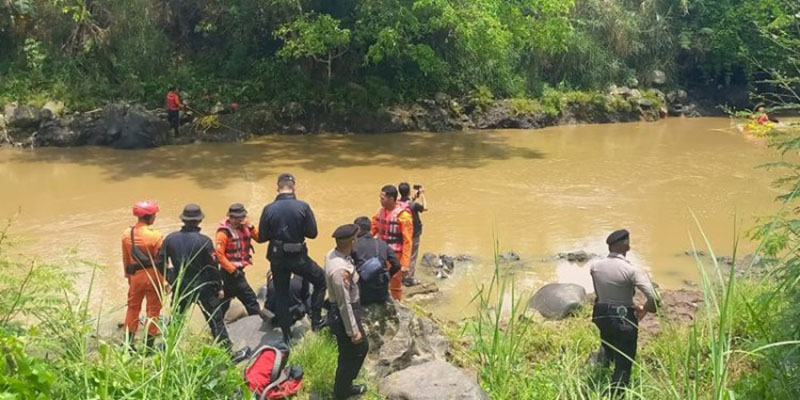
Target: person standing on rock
[
  {"x": 174, "y": 106},
  {"x": 286, "y": 223},
  {"x": 344, "y": 318},
  {"x": 416, "y": 208},
  {"x": 145, "y": 274},
  {"x": 234, "y": 252},
  {"x": 195, "y": 275},
  {"x": 615, "y": 314},
  {"x": 394, "y": 225},
  {"x": 374, "y": 256}
]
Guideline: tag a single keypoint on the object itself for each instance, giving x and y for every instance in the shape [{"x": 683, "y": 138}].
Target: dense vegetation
[{"x": 346, "y": 54}]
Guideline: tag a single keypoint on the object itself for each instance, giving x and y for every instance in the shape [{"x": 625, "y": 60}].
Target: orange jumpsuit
[
  {"x": 406, "y": 224},
  {"x": 144, "y": 283}
]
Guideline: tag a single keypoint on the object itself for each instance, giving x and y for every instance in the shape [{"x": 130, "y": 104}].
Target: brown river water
[{"x": 537, "y": 192}]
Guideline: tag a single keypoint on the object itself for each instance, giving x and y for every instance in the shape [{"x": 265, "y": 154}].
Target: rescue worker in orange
[
  {"x": 144, "y": 270},
  {"x": 394, "y": 225},
  {"x": 174, "y": 107},
  {"x": 762, "y": 118},
  {"x": 234, "y": 252}
]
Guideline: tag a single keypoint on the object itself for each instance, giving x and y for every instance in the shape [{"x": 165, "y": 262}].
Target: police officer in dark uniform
[
  {"x": 615, "y": 314},
  {"x": 194, "y": 275},
  {"x": 286, "y": 223},
  {"x": 344, "y": 317}
]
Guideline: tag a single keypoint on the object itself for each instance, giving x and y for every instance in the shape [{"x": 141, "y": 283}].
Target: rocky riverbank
[{"x": 131, "y": 126}]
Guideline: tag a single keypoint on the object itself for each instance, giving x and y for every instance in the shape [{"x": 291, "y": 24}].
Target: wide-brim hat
[
  {"x": 192, "y": 212},
  {"x": 237, "y": 210}
]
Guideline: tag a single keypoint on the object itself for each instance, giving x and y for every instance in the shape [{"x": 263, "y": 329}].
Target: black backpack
[{"x": 373, "y": 282}]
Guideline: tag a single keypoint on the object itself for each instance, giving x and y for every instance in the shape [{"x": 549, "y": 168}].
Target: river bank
[{"x": 131, "y": 126}]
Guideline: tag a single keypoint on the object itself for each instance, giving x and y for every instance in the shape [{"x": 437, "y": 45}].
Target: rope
[{"x": 220, "y": 123}]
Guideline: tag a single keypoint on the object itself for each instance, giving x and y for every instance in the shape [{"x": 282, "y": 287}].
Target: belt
[
  {"x": 613, "y": 310},
  {"x": 130, "y": 269}
]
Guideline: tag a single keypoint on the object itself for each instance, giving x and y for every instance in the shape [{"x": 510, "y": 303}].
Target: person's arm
[
  {"x": 157, "y": 261},
  {"x": 221, "y": 243},
  {"x": 373, "y": 229},
  {"x": 254, "y": 233},
  {"x": 642, "y": 282},
  {"x": 340, "y": 288},
  {"x": 263, "y": 226},
  {"x": 126, "y": 255},
  {"x": 311, "y": 224},
  {"x": 407, "y": 229},
  {"x": 424, "y": 204},
  {"x": 391, "y": 258}
]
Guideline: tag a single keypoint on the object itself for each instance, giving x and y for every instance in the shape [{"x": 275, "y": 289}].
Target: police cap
[
  {"x": 345, "y": 231},
  {"x": 617, "y": 236},
  {"x": 286, "y": 177}
]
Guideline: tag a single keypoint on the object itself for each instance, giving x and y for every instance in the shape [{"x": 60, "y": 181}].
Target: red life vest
[
  {"x": 238, "y": 248},
  {"x": 388, "y": 228},
  {"x": 173, "y": 101}
]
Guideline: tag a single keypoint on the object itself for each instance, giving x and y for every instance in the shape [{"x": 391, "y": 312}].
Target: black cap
[
  {"x": 345, "y": 231},
  {"x": 286, "y": 177},
  {"x": 237, "y": 210},
  {"x": 617, "y": 235},
  {"x": 192, "y": 212}
]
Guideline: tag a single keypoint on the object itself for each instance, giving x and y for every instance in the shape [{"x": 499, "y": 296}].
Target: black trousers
[
  {"x": 282, "y": 268},
  {"x": 210, "y": 305},
  {"x": 174, "y": 119},
  {"x": 619, "y": 331},
  {"x": 237, "y": 287},
  {"x": 351, "y": 355}
]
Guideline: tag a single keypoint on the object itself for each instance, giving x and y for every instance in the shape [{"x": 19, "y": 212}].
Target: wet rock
[
  {"x": 23, "y": 118},
  {"x": 694, "y": 253},
  {"x": 645, "y": 103},
  {"x": 577, "y": 256},
  {"x": 440, "y": 265},
  {"x": 124, "y": 126},
  {"x": 421, "y": 289},
  {"x": 252, "y": 331},
  {"x": 508, "y": 256},
  {"x": 400, "y": 338},
  {"x": 296, "y": 129},
  {"x": 433, "y": 380},
  {"x": 56, "y": 132},
  {"x": 3, "y": 132},
  {"x": 558, "y": 300}
]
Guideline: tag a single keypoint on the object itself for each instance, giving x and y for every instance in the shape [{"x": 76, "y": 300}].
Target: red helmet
[{"x": 142, "y": 208}]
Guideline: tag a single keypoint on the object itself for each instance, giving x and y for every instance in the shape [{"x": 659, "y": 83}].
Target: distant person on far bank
[
  {"x": 174, "y": 107},
  {"x": 417, "y": 205},
  {"x": 615, "y": 314}
]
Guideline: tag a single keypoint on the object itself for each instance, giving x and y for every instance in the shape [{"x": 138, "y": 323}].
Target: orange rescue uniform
[
  {"x": 144, "y": 282},
  {"x": 406, "y": 224},
  {"x": 221, "y": 240}
]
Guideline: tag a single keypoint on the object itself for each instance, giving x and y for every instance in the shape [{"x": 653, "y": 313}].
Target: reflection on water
[{"x": 537, "y": 192}]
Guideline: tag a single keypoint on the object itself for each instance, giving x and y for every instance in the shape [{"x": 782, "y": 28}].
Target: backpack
[
  {"x": 267, "y": 377},
  {"x": 373, "y": 282}
]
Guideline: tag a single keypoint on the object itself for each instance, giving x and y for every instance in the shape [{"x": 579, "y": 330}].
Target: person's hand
[
  {"x": 357, "y": 337},
  {"x": 640, "y": 312},
  {"x": 221, "y": 294}
]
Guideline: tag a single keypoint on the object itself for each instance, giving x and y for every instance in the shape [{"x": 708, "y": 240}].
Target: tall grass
[{"x": 521, "y": 356}]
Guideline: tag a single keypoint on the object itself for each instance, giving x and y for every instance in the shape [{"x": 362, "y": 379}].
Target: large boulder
[
  {"x": 56, "y": 132},
  {"x": 24, "y": 117},
  {"x": 125, "y": 126},
  {"x": 432, "y": 380},
  {"x": 558, "y": 300},
  {"x": 252, "y": 331},
  {"x": 400, "y": 338},
  {"x": 56, "y": 108}
]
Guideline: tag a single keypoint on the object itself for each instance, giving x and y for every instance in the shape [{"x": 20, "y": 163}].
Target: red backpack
[{"x": 267, "y": 377}]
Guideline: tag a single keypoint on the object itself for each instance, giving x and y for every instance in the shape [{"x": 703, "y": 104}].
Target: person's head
[
  {"x": 760, "y": 108},
  {"x": 236, "y": 215},
  {"x": 286, "y": 183},
  {"x": 173, "y": 87},
  {"x": 619, "y": 242},
  {"x": 405, "y": 189},
  {"x": 192, "y": 215},
  {"x": 345, "y": 236},
  {"x": 146, "y": 211},
  {"x": 364, "y": 225},
  {"x": 388, "y": 197}
]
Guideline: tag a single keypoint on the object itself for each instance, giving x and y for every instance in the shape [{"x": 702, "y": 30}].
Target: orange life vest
[
  {"x": 238, "y": 249},
  {"x": 388, "y": 228}
]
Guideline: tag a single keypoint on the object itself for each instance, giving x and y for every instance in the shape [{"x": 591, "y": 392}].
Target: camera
[{"x": 417, "y": 187}]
